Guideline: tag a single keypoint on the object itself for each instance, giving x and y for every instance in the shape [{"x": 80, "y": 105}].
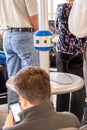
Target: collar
[{"x": 38, "y": 111}]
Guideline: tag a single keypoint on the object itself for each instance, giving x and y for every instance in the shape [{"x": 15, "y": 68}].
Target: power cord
[{"x": 63, "y": 83}]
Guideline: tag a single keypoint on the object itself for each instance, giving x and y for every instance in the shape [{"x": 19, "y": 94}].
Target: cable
[
  {"x": 67, "y": 63},
  {"x": 63, "y": 83}
]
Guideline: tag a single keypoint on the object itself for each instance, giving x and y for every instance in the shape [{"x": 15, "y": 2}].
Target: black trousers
[{"x": 71, "y": 64}]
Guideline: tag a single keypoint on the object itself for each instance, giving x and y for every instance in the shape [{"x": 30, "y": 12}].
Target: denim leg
[
  {"x": 13, "y": 63},
  {"x": 24, "y": 48},
  {"x": 12, "y": 59},
  {"x": 78, "y": 103},
  {"x": 20, "y": 52},
  {"x": 85, "y": 67},
  {"x": 13, "y": 66},
  {"x": 74, "y": 65},
  {"x": 62, "y": 102}
]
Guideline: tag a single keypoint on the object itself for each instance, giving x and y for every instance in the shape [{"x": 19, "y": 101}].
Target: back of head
[{"x": 33, "y": 83}]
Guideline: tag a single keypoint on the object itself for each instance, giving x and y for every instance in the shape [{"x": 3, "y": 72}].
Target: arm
[
  {"x": 1, "y": 33},
  {"x": 32, "y": 9},
  {"x": 78, "y": 18},
  {"x": 34, "y": 21},
  {"x": 9, "y": 121}
]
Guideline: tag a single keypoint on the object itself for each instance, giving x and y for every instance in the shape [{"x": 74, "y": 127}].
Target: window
[{"x": 52, "y": 5}]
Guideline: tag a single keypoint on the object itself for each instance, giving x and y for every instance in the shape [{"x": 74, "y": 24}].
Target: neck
[{"x": 28, "y": 105}]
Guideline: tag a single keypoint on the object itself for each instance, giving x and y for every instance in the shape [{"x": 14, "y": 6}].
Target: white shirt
[
  {"x": 78, "y": 18},
  {"x": 16, "y": 13}
]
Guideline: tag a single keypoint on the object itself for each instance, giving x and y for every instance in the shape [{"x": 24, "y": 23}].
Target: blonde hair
[{"x": 33, "y": 83}]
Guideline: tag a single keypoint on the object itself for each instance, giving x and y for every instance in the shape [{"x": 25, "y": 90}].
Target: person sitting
[{"x": 32, "y": 84}]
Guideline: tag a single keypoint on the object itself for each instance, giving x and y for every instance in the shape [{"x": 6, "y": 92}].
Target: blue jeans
[
  {"x": 20, "y": 52},
  {"x": 85, "y": 67}
]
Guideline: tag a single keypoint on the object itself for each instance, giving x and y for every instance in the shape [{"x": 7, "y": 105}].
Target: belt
[{"x": 21, "y": 29}]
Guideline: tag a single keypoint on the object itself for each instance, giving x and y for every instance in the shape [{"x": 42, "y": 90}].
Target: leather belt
[{"x": 21, "y": 29}]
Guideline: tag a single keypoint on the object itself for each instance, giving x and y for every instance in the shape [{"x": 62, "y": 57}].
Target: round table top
[{"x": 65, "y": 82}]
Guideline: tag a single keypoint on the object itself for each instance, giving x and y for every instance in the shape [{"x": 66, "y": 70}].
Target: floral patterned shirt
[{"x": 67, "y": 42}]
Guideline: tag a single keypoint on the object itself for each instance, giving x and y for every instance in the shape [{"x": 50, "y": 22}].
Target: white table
[
  {"x": 65, "y": 82},
  {"x": 62, "y": 83}
]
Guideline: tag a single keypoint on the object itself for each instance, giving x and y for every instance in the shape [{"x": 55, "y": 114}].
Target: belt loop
[
  {"x": 20, "y": 30},
  {"x": 10, "y": 29}
]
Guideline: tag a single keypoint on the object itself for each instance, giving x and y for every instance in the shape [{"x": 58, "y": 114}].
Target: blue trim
[
  {"x": 44, "y": 48},
  {"x": 2, "y": 58},
  {"x": 43, "y": 33}
]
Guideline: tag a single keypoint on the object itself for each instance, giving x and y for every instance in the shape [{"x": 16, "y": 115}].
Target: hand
[
  {"x": 70, "y": 1},
  {"x": 1, "y": 33},
  {"x": 9, "y": 120}
]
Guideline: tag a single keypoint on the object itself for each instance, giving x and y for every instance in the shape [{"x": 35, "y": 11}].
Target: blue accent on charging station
[
  {"x": 41, "y": 33},
  {"x": 44, "y": 48}
]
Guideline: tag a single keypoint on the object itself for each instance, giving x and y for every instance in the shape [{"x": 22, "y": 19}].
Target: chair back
[
  {"x": 3, "y": 78},
  {"x": 83, "y": 127},
  {"x": 69, "y": 128}
]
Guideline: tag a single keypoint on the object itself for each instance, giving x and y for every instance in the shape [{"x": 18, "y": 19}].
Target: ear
[{"x": 23, "y": 102}]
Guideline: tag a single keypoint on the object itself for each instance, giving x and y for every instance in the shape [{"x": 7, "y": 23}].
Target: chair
[
  {"x": 3, "y": 98},
  {"x": 3, "y": 78},
  {"x": 83, "y": 127}
]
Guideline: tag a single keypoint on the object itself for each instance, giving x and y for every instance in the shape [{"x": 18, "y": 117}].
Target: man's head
[{"x": 32, "y": 83}]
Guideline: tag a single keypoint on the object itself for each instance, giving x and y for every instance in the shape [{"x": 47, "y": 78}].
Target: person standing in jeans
[
  {"x": 69, "y": 59},
  {"x": 18, "y": 20}
]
